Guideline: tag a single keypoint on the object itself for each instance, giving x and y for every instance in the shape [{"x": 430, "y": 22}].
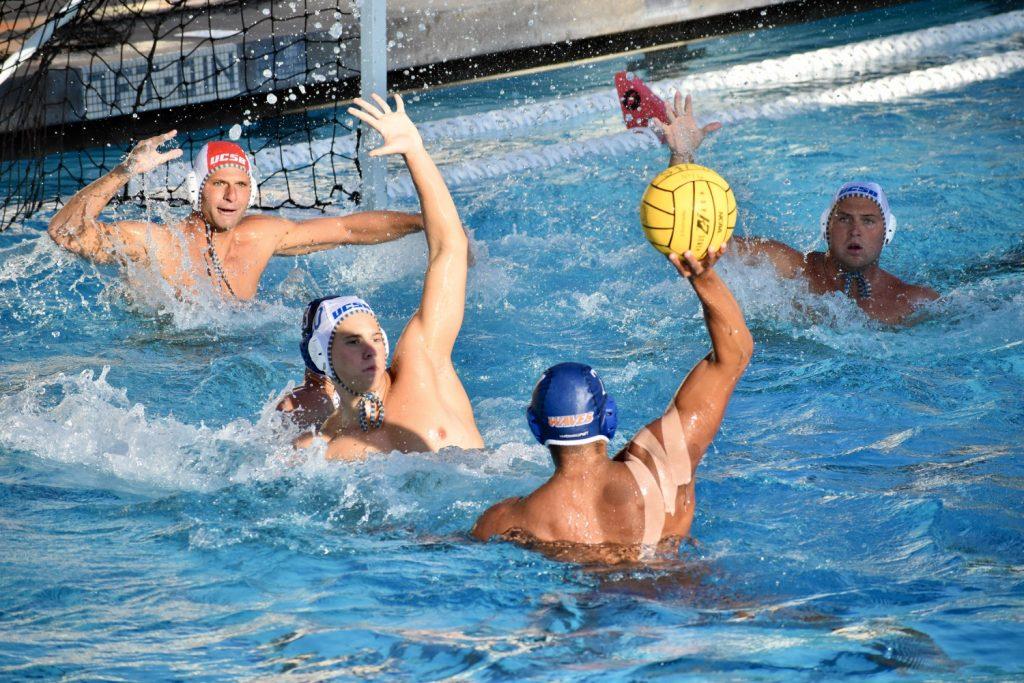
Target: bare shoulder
[
  {"x": 919, "y": 294},
  {"x": 410, "y": 349},
  {"x": 788, "y": 261},
  {"x": 907, "y": 293},
  {"x": 497, "y": 519},
  {"x": 260, "y": 226},
  {"x": 308, "y": 439}
]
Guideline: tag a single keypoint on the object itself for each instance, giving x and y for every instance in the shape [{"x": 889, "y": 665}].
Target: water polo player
[
  {"x": 856, "y": 226},
  {"x": 644, "y": 496},
  {"x": 218, "y": 242},
  {"x": 418, "y": 403}
]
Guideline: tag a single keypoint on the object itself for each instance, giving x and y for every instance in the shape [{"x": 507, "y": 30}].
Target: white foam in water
[{"x": 83, "y": 420}]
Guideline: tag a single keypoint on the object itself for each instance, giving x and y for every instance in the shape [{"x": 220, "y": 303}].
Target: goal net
[{"x": 82, "y": 80}]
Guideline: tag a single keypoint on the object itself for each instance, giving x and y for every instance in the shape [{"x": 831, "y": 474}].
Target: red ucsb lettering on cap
[
  {"x": 223, "y": 153},
  {"x": 561, "y": 421}
]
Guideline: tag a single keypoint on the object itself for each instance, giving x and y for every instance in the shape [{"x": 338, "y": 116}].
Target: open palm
[
  {"x": 399, "y": 132},
  {"x": 146, "y": 155}
]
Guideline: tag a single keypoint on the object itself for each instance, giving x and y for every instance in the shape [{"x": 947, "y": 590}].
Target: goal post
[{"x": 373, "y": 78}]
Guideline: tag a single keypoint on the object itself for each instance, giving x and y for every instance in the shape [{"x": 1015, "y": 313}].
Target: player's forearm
[
  {"x": 731, "y": 340},
  {"x": 375, "y": 227},
  {"x": 81, "y": 212},
  {"x": 441, "y": 221}
]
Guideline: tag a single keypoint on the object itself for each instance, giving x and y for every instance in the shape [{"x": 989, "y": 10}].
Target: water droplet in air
[
  {"x": 271, "y": 98},
  {"x": 235, "y": 132}
]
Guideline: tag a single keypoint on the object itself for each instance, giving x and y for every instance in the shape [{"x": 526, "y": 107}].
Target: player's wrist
[{"x": 126, "y": 169}]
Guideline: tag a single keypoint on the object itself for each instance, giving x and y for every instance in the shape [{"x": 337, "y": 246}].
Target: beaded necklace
[
  {"x": 212, "y": 259},
  {"x": 850, "y": 277}
]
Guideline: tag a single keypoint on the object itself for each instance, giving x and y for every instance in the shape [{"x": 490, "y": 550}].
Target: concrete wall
[{"x": 429, "y": 31}]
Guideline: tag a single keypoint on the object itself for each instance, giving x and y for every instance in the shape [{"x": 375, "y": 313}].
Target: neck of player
[{"x": 574, "y": 461}]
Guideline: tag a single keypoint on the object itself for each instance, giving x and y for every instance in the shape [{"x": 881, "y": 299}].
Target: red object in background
[{"x": 639, "y": 103}]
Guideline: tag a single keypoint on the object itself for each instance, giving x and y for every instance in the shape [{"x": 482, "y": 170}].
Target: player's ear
[{"x": 531, "y": 420}]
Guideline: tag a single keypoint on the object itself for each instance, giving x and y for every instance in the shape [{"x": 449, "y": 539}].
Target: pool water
[{"x": 859, "y": 512}]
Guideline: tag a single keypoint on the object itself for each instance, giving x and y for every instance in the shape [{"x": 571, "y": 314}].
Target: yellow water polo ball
[{"x": 688, "y": 208}]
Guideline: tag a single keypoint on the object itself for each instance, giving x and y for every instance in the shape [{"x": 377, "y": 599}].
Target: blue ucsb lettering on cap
[{"x": 570, "y": 407}]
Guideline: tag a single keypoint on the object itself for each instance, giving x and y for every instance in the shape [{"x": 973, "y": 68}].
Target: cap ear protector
[
  {"x": 570, "y": 406},
  {"x": 872, "y": 191},
  {"x": 307, "y": 332},
  {"x": 215, "y": 155}
]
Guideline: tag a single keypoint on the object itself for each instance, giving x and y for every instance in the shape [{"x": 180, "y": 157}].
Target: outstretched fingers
[
  {"x": 382, "y": 102},
  {"x": 367, "y": 107},
  {"x": 711, "y": 127},
  {"x": 364, "y": 117}
]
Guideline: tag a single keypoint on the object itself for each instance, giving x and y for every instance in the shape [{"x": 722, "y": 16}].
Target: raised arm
[
  {"x": 682, "y": 434},
  {"x": 76, "y": 228},
  {"x": 704, "y": 394},
  {"x": 366, "y": 227},
  {"x": 442, "y": 307}
]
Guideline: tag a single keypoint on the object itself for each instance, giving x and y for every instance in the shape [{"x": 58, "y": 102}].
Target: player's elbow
[
  {"x": 483, "y": 530},
  {"x": 455, "y": 246},
  {"x": 738, "y": 351},
  {"x": 58, "y": 231}
]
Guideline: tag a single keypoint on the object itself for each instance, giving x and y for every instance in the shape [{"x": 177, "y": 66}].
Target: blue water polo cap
[{"x": 571, "y": 407}]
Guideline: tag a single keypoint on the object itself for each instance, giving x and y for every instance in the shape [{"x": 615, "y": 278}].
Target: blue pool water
[{"x": 859, "y": 512}]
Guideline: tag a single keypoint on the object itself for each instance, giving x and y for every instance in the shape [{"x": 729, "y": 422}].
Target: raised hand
[
  {"x": 399, "y": 132},
  {"x": 146, "y": 155},
  {"x": 692, "y": 267},
  {"x": 682, "y": 133}
]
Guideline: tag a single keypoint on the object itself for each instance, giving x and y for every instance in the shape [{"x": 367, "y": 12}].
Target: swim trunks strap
[{"x": 654, "y": 511}]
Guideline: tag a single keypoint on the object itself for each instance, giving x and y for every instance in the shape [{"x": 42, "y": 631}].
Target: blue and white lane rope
[
  {"x": 887, "y": 89},
  {"x": 826, "y": 63}
]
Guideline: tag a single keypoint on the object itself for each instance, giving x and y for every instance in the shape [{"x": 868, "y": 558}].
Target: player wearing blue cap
[
  {"x": 856, "y": 226},
  {"x": 417, "y": 403},
  {"x": 644, "y": 496}
]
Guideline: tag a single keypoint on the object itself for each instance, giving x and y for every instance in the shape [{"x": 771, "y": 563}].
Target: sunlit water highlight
[{"x": 858, "y": 514}]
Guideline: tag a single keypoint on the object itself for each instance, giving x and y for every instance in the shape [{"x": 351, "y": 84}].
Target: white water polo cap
[
  {"x": 215, "y": 155},
  {"x": 872, "y": 191},
  {"x": 328, "y": 314}
]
